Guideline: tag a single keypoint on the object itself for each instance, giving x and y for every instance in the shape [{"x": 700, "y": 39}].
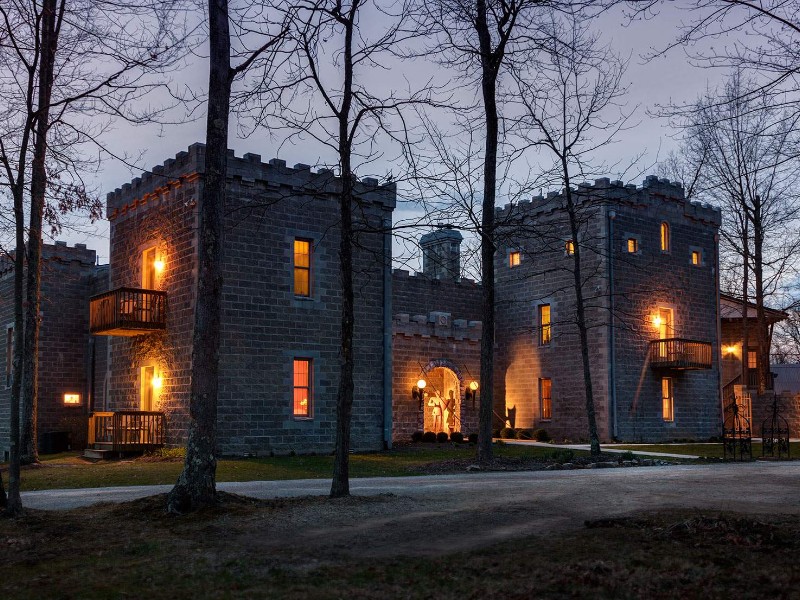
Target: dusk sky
[{"x": 668, "y": 78}]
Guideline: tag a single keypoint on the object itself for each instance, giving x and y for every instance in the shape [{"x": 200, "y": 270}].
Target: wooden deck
[
  {"x": 680, "y": 354},
  {"x": 128, "y": 311}
]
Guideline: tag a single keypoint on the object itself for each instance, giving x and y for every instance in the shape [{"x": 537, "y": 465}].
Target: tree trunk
[
  {"x": 762, "y": 333},
  {"x": 3, "y": 499},
  {"x": 594, "y": 440},
  {"x": 340, "y": 484},
  {"x": 489, "y": 91},
  {"x": 29, "y": 452},
  {"x": 196, "y": 486},
  {"x": 745, "y": 323}
]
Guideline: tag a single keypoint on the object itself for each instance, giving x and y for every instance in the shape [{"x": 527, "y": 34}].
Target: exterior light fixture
[
  {"x": 157, "y": 382},
  {"x": 72, "y": 399},
  {"x": 730, "y": 350},
  {"x": 657, "y": 321},
  {"x": 472, "y": 393},
  {"x": 158, "y": 265},
  {"x": 418, "y": 392}
]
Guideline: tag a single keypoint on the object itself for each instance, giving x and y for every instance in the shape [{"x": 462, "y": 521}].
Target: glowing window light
[{"x": 72, "y": 399}]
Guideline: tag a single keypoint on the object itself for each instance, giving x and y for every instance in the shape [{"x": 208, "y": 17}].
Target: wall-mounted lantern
[
  {"x": 418, "y": 392},
  {"x": 657, "y": 321},
  {"x": 729, "y": 351},
  {"x": 157, "y": 382},
  {"x": 159, "y": 264},
  {"x": 472, "y": 393}
]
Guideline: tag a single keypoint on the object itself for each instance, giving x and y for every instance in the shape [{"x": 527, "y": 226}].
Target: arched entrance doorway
[{"x": 442, "y": 406}]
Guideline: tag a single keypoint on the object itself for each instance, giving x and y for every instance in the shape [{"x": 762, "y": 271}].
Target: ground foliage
[{"x": 254, "y": 548}]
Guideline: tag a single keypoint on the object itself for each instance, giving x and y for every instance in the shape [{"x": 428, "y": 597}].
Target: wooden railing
[
  {"x": 679, "y": 353},
  {"x": 127, "y": 430},
  {"x": 128, "y": 311}
]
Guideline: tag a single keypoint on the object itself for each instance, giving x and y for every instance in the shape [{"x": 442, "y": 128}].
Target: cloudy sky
[{"x": 668, "y": 78}]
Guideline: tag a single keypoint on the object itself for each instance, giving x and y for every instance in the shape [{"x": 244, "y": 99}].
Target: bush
[
  {"x": 442, "y": 437},
  {"x": 473, "y": 438},
  {"x": 562, "y": 455},
  {"x": 541, "y": 435},
  {"x": 417, "y": 436},
  {"x": 429, "y": 437},
  {"x": 524, "y": 434},
  {"x": 508, "y": 433},
  {"x": 457, "y": 437},
  {"x": 495, "y": 433},
  {"x": 627, "y": 455}
]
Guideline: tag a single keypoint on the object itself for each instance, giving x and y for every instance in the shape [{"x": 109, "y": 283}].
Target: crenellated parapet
[
  {"x": 437, "y": 325},
  {"x": 247, "y": 170}
]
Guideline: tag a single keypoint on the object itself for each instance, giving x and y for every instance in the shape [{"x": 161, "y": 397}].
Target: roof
[
  {"x": 730, "y": 307},
  {"x": 787, "y": 378}
]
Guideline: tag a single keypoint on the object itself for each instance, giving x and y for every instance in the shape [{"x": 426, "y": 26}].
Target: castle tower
[{"x": 441, "y": 254}]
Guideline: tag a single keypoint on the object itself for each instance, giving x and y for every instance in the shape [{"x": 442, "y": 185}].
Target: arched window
[{"x": 665, "y": 237}]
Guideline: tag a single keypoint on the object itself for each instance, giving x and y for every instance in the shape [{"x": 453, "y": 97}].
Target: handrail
[
  {"x": 128, "y": 309},
  {"x": 680, "y": 353},
  {"x": 127, "y": 430}
]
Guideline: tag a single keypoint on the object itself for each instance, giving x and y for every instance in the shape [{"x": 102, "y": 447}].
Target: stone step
[{"x": 98, "y": 454}]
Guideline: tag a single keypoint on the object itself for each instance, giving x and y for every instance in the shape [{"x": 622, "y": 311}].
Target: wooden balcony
[
  {"x": 128, "y": 311},
  {"x": 680, "y": 354},
  {"x": 126, "y": 431}
]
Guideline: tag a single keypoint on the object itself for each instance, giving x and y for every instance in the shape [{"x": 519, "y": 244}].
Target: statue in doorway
[
  {"x": 449, "y": 409},
  {"x": 435, "y": 402}
]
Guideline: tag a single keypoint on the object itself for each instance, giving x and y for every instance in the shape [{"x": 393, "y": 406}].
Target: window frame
[
  {"x": 668, "y": 400},
  {"x": 147, "y": 393},
  {"x": 545, "y": 401},
  {"x": 308, "y": 387},
  {"x": 665, "y": 237},
  {"x": 545, "y": 329},
  {"x": 149, "y": 275},
  {"x": 514, "y": 258},
  {"x": 632, "y": 240},
  {"x": 569, "y": 248},
  {"x": 696, "y": 251},
  {"x": 306, "y": 269}
]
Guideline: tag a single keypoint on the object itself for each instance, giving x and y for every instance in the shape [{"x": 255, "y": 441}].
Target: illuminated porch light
[
  {"x": 418, "y": 392},
  {"x": 657, "y": 321},
  {"x": 472, "y": 393},
  {"x": 157, "y": 382},
  {"x": 473, "y": 386},
  {"x": 729, "y": 350},
  {"x": 421, "y": 384},
  {"x": 72, "y": 398},
  {"x": 159, "y": 265}
]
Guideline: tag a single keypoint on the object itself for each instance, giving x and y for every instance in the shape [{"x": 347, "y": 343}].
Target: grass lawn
[
  {"x": 136, "y": 551},
  {"x": 65, "y": 471},
  {"x": 704, "y": 450}
]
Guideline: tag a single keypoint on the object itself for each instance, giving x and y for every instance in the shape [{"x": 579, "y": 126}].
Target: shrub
[
  {"x": 524, "y": 434},
  {"x": 541, "y": 435},
  {"x": 562, "y": 455},
  {"x": 495, "y": 433},
  {"x": 457, "y": 437},
  {"x": 473, "y": 438},
  {"x": 417, "y": 436},
  {"x": 429, "y": 437},
  {"x": 627, "y": 455},
  {"x": 442, "y": 437},
  {"x": 508, "y": 433}
]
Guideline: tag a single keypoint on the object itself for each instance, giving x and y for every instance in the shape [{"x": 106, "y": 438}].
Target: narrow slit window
[
  {"x": 665, "y": 237},
  {"x": 545, "y": 326},
  {"x": 302, "y": 388},
  {"x": 546, "y": 398},
  {"x": 302, "y": 268},
  {"x": 569, "y": 247},
  {"x": 667, "y": 400},
  {"x": 697, "y": 258},
  {"x": 514, "y": 259},
  {"x": 148, "y": 385},
  {"x": 633, "y": 245},
  {"x": 149, "y": 269}
]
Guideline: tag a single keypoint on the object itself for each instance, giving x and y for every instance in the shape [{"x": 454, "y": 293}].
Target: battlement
[
  {"x": 437, "y": 324},
  {"x": 248, "y": 169},
  {"x": 653, "y": 191}
]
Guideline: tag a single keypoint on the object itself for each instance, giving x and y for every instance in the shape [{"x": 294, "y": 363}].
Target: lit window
[
  {"x": 633, "y": 245},
  {"x": 697, "y": 257},
  {"x": 665, "y": 237},
  {"x": 546, "y": 399},
  {"x": 752, "y": 359},
  {"x": 545, "y": 331},
  {"x": 72, "y": 399},
  {"x": 514, "y": 259},
  {"x": 667, "y": 400},
  {"x": 569, "y": 247},
  {"x": 148, "y": 388},
  {"x": 9, "y": 355},
  {"x": 149, "y": 269},
  {"x": 302, "y": 268},
  {"x": 302, "y": 387}
]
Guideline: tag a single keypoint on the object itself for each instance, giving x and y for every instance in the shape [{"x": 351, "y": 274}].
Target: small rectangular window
[
  {"x": 545, "y": 328},
  {"x": 514, "y": 259},
  {"x": 9, "y": 355},
  {"x": 752, "y": 359},
  {"x": 302, "y": 267},
  {"x": 633, "y": 245},
  {"x": 569, "y": 247},
  {"x": 302, "y": 388},
  {"x": 546, "y": 398},
  {"x": 697, "y": 258},
  {"x": 148, "y": 385},
  {"x": 667, "y": 400},
  {"x": 665, "y": 237}
]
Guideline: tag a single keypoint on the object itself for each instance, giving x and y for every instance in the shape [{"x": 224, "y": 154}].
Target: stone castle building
[{"x": 649, "y": 276}]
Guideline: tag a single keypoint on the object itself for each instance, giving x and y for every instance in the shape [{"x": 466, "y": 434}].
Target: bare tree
[
  {"x": 321, "y": 89},
  {"x": 481, "y": 41},
  {"x": 196, "y": 485},
  {"x": 571, "y": 99},
  {"x": 744, "y": 148}
]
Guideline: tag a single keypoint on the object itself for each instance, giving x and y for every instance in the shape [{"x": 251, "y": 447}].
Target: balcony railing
[
  {"x": 126, "y": 431},
  {"x": 678, "y": 353},
  {"x": 128, "y": 311}
]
